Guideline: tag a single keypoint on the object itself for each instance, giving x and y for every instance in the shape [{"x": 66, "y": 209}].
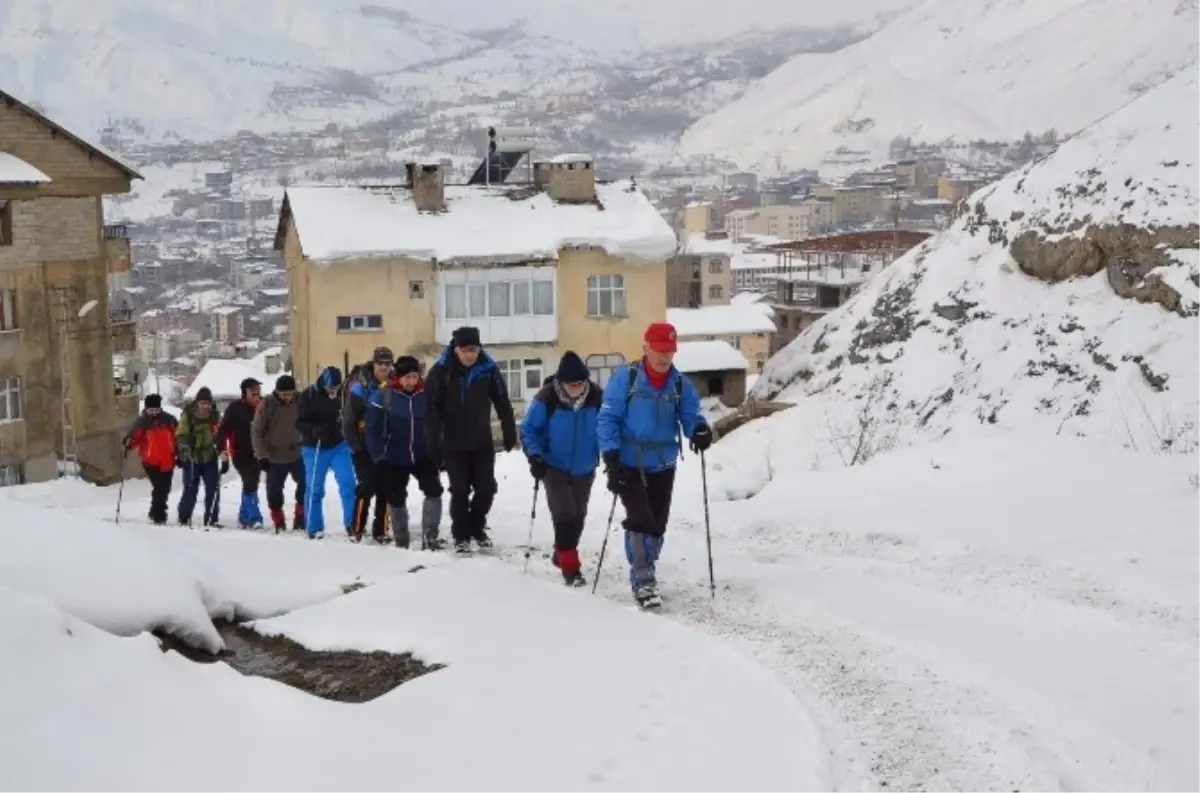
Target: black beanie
[
  {"x": 153, "y": 401},
  {"x": 204, "y": 395},
  {"x": 285, "y": 382},
  {"x": 466, "y": 336},
  {"x": 406, "y": 364},
  {"x": 571, "y": 369}
]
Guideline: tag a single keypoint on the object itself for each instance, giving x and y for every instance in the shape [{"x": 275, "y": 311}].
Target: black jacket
[
  {"x": 459, "y": 402},
  {"x": 319, "y": 419},
  {"x": 359, "y": 385},
  {"x": 235, "y": 431}
]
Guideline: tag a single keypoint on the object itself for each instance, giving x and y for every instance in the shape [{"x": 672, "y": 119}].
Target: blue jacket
[
  {"x": 644, "y": 425},
  {"x": 395, "y": 432},
  {"x": 564, "y": 438}
]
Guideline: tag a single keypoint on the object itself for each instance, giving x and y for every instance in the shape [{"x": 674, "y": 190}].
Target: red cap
[{"x": 660, "y": 337}]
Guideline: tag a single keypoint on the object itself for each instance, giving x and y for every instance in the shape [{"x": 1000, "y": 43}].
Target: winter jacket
[
  {"x": 319, "y": 417},
  {"x": 564, "y": 438},
  {"x": 396, "y": 425},
  {"x": 459, "y": 402},
  {"x": 154, "y": 439},
  {"x": 233, "y": 436},
  {"x": 196, "y": 437},
  {"x": 354, "y": 412},
  {"x": 274, "y": 432},
  {"x": 643, "y": 425}
]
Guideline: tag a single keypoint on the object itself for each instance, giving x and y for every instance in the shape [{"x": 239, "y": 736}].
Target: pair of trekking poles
[{"x": 712, "y": 582}]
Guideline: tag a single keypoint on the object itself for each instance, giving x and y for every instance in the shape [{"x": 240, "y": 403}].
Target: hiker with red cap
[{"x": 644, "y": 407}]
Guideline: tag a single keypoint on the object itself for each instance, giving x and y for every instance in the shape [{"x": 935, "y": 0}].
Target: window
[
  {"x": 498, "y": 305},
  {"x": 359, "y": 322},
  {"x": 10, "y": 398},
  {"x": 606, "y": 296},
  {"x": 477, "y": 300},
  {"x": 8, "y": 310},
  {"x": 6, "y": 222},
  {"x": 602, "y": 366},
  {"x": 521, "y": 301},
  {"x": 13, "y": 474},
  {"x": 716, "y": 386},
  {"x": 543, "y": 299},
  {"x": 456, "y": 301},
  {"x": 715, "y": 266},
  {"x": 521, "y": 377},
  {"x": 715, "y": 291},
  {"x": 416, "y": 290}
]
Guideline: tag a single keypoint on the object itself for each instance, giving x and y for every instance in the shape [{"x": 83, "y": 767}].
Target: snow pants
[
  {"x": 160, "y": 490},
  {"x": 647, "y": 502},
  {"x": 472, "y": 489},
  {"x": 394, "y": 479},
  {"x": 249, "y": 511},
  {"x": 193, "y": 475},
  {"x": 318, "y": 462},
  {"x": 567, "y": 497},
  {"x": 366, "y": 472},
  {"x": 277, "y": 476}
]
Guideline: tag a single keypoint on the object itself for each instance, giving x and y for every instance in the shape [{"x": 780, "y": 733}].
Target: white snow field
[{"x": 543, "y": 688}]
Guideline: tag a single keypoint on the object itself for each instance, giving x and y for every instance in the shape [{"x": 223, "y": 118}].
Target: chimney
[
  {"x": 271, "y": 361},
  {"x": 572, "y": 179},
  {"x": 428, "y": 184},
  {"x": 541, "y": 174}
]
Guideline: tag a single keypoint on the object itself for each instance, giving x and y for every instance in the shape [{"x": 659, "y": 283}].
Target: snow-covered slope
[
  {"x": 1065, "y": 297},
  {"x": 208, "y": 67},
  {"x": 967, "y": 69}
]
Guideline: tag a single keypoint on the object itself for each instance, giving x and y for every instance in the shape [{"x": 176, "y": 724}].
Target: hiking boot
[
  {"x": 483, "y": 540},
  {"x": 574, "y": 579},
  {"x": 432, "y": 542},
  {"x": 462, "y": 547},
  {"x": 647, "y": 596}
]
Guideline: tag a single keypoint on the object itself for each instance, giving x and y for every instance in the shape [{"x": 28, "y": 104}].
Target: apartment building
[
  {"x": 566, "y": 263},
  {"x": 56, "y": 255}
]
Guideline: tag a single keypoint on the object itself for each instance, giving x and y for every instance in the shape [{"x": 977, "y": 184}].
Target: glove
[
  {"x": 179, "y": 463},
  {"x": 702, "y": 438},
  {"x": 510, "y": 444},
  {"x": 321, "y": 436},
  {"x": 264, "y": 465},
  {"x": 615, "y": 472},
  {"x": 225, "y": 466},
  {"x": 537, "y": 468}
]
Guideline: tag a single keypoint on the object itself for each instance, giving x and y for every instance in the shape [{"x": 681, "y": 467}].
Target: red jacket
[{"x": 154, "y": 439}]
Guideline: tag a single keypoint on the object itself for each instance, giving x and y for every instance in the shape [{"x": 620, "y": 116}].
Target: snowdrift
[
  {"x": 1064, "y": 299},
  {"x": 959, "y": 71},
  {"x": 543, "y": 688}
]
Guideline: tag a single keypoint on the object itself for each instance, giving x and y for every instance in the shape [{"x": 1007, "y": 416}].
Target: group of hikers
[{"x": 389, "y": 425}]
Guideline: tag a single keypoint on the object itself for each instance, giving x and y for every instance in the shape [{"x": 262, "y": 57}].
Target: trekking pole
[
  {"x": 312, "y": 484},
  {"x": 712, "y": 582},
  {"x": 121, "y": 487},
  {"x": 604, "y": 545},
  {"x": 532, "y": 518}
]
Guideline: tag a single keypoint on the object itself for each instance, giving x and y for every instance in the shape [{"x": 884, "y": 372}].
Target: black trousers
[
  {"x": 277, "y": 476},
  {"x": 648, "y": 503},
  {"x": 394, "y": 481},
  {"x": 369, "y": 486},
  {"x": 567, "y": 497},
  {"x": 250, "y": 474},
  {"x": 160, "y": 490},
  {"x": 472, "y": 477}
]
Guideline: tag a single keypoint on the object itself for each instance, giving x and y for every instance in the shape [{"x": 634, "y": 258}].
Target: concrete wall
[
  {"x": 58, "y": 242},
  {"x": 733, "y": 386}
]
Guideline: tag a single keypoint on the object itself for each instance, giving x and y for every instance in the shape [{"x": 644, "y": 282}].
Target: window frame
[
  {"x": 10, "y": 395},
  {"x": 8, "y": 309},
  {"x": 359, "y": 323},
  {"x": 12, "y": 474},
  {"x": 601, "y": 366},
  {"x": 612, "y": 286}
]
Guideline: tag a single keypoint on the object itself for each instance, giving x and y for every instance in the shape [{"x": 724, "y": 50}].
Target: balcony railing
[
  {"x": 117, "y": 316},
  {"x": 115, "y": 231}
]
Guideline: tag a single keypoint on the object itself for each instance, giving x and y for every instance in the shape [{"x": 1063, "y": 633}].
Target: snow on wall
[
  {"x": 954, "y": 333},
  {"x": 14, "y": 170},
  {"x": 350, "y": 222}
]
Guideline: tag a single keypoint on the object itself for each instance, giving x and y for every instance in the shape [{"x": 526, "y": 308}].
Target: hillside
[
  {"x": 963, "y": 70},
  {"x": 1064, "y": 301},
  {"x": 208, "y": 68}
]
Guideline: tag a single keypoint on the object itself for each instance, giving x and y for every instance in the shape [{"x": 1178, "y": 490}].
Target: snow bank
[
  {"x": 100, "y": 572},
  {"x": 353, "y": 222}
]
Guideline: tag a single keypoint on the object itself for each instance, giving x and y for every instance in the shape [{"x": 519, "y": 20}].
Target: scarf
[{"x": 574, "y": 403}]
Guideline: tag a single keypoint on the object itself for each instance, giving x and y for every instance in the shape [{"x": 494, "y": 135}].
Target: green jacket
[{"x": 196, "y": 438}]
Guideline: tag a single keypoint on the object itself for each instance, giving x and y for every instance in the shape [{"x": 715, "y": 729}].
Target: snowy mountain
[
  {"x": 1065, "y": 298},
  {"x": 962, "y": 70},
  {"x": 211, "y": 67}
]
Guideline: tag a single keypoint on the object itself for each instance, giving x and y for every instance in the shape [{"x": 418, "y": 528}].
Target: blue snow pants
[
  {"x": 318, "y": 462},
  {"x": 193, "y": 475}
]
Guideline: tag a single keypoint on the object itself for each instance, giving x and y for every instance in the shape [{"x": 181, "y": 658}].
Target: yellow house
[
  {"x": 563, "y": 264},
  {"x": 747, "y": 327},
  {"x": 58, "y": 398}
]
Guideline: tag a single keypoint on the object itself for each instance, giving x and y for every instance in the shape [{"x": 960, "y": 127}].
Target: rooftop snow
[
  {"x": 699, "y": 243},
  {"x": 14, "y": 170},
  {"x": 719, "y": 320},
  {"x": 708, "y": 356},
  {"x": 338, "y": 223},
  {"x": 223, "y": 376}
]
